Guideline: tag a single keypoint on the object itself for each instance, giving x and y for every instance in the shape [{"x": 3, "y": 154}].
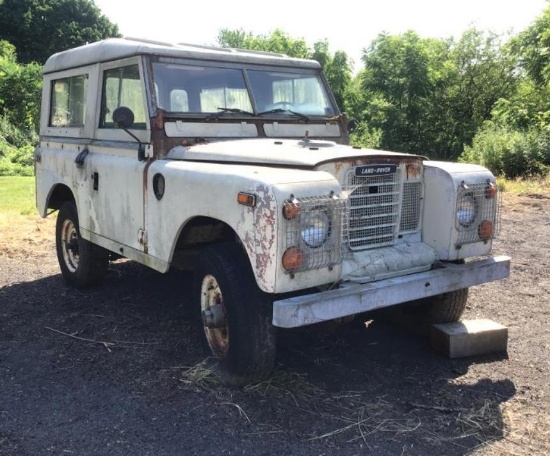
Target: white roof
[{"x": 119, "y": 48}]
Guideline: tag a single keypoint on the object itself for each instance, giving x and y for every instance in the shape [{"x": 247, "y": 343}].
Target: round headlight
[
  {"x": 466, "y": 210},
  {"x": 316, "y": 228}
]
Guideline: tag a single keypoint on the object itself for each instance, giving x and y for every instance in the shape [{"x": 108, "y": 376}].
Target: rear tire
[
  {"x": 235, "y": 315},
  {"x": 82, "y": 263}
]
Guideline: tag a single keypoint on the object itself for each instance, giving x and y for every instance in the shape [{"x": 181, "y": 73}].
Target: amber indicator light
[
  {"x": 291, "y": 209},
  {"x": 491, "y": 191},
  {"x": 485, "y": 230},
  {"x": 246, "y": 199},
  {"x": 293, "y": 259}
]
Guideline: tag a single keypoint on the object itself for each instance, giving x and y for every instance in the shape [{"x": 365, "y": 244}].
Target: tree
[
  {"x": 40, "y": 28},
  {"x": 532, "y": 46},
  {"x": 337, "y": 69},
  {"x": 20, "y": 90},
  {"x": 429, "y": 96},
  {"x": 277, "y": 41},
  {"x": 397, "y": 83}
]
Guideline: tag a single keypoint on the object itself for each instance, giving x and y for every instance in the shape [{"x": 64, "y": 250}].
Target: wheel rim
[
  {"x": 211, "y": 296},
  {"x": 69, "y": 245}
]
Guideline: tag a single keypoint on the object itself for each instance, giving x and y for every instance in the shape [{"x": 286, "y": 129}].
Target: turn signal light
[
  {"x": 291, "y": 209},
  {"x": 485, "y": 230},
  {"x": 491, "y": 191},
  {"x": 293, "y": 259},
  {"x": 246, "y": 199}
]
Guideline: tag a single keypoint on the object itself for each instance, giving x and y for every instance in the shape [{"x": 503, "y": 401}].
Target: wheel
[
  {"x": 82, "y": 263},
  {"x": 443, "y": 308},
  {"x": 236, "y": 315},
  {"x": 420, "y": 314}
]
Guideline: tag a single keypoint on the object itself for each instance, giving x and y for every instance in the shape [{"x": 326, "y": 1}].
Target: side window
[
  {"x": 122, "y": 87},
  {"x": 68, "y": 102}
]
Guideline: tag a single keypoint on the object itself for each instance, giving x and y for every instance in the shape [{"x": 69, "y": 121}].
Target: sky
[{"x": 346, "y": 27}]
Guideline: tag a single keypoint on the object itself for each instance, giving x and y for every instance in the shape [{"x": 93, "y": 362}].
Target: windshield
[{"x": 205, "y": 89}]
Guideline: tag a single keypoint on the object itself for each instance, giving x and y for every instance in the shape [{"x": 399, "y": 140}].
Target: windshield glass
[
  {"x": 303, "y": 93},
  {"x": 204, "y": 89}
]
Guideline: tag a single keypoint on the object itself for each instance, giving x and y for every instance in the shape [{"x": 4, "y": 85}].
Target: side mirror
[
  {"x": 352, "y": 125},
  {"x": 123, "y": 117}
]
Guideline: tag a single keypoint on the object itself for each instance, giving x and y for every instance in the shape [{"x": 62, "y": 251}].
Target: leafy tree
[
  {"x": 337, "y": 69},
  {"x": 277, "y": 41},
  {"x": 430, "y": 96},
  {"x": 532, "y": 47},
  {"x": 397, "y": 83},
  {"x": 20, "y": 90},
  {"x": 20, "y": 87},
  {"x": 527, "y": 108},
  {"x": 516, "y": 142},
  {"x": 40, "y": 28}
]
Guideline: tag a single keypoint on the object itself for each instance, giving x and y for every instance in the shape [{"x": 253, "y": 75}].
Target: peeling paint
[{"x": 265, "y": 231}]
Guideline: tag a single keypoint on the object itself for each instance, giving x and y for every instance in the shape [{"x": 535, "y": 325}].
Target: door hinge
[{"x": 142, "y": 236}]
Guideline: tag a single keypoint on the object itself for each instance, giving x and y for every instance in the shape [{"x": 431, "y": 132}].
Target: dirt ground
[{"x": 118, "y": 370}]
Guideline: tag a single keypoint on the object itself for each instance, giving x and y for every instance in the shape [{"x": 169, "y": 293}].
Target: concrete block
[{"x": 469, "y": 338}]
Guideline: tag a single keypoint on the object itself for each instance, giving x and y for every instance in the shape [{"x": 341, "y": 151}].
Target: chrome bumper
[{"x": 352, "y": 298}]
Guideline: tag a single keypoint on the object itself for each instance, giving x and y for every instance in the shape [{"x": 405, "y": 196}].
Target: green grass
[
  {"x": 522, "y": 186},
  {"x": 17, "y": 195}
]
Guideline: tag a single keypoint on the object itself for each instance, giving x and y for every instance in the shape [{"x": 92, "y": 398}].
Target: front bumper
[{"x": 352, "y": 298}]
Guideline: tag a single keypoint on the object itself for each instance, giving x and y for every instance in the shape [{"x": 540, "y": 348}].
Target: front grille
[{"x": 380, "y": 208}]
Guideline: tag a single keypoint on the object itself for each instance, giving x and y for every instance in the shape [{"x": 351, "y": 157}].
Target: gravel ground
[{"x": 118, "y": 370}]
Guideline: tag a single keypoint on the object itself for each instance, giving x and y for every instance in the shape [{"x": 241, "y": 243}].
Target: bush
[
  {"x": 9, "y": 168},
  {"x": 16, "y": 150},
  {"x": 508, "y": 152},
  {"x": 363, "y": 136}
]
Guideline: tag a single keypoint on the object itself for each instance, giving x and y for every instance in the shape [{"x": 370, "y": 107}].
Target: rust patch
[
  {"x": 265, "y": 232},
  {"x": 158, "y": 121},
  {"x": 413, "y": 170}
]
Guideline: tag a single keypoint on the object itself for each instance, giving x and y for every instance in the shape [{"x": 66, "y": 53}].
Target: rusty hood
[{"x": 276, "y": 152}]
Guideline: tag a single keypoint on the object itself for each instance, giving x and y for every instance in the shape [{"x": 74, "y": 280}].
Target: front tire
[
  {"x": 82, "y": 263},
  {"x": 236, "y": 315},
  {"x": 443, "y": 308},
  {"x": 420, "y": 314}
]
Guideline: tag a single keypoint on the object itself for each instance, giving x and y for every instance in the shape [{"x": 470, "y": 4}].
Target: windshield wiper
[
  {"x": 280, "y": 111},
  {"x": 217, "y": 115}
]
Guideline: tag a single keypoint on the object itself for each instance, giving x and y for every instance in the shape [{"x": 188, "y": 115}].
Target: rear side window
[
  {"x": 122, "y": 87},
  {"x": 68, "y": 107}
]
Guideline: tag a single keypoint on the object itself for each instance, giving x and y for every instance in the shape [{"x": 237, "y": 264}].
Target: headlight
[
  {"x": 466, "y": 210},
  {"x": 316, "y": 228}
]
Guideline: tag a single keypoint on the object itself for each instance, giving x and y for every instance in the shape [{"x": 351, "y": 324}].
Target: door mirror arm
[{"x": 123, "y": 118}]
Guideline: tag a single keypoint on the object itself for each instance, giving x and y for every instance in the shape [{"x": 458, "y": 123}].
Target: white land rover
[{"x": 235, "y": 164}]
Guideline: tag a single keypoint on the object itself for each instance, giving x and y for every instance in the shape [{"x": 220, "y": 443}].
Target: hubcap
[
  {"x": 212, "y": 303},
  {"x": 69, "y": 245}
]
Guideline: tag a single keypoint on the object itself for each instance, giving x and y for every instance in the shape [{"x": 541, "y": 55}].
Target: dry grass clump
[
  {"x": 525, "y": 186},
  {"x": 26, "y": 236},
  {"x": 526, "y": 432}
]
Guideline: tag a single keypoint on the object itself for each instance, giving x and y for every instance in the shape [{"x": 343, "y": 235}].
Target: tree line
[{"x": 482, "y": 98}]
